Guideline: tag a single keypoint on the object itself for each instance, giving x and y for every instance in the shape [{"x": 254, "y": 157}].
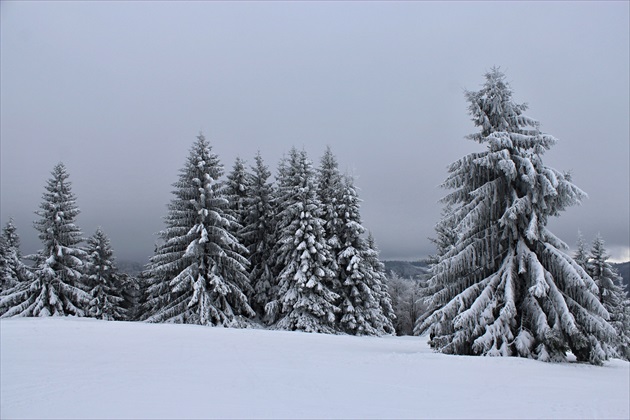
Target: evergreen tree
[
  {"x": 508, "y": 287},
  {"x": 131, "y": 293},
  {"x": 611, "y": 294},
  {"x": 103, "y": 279},
  {"x": 329, "y": 192},
  {"x": 137, "y": 295},
  {"x": 11, "y": 238},
  {"x": 259, "y": 235},
  {"x": 12, "y": 270},
  {"x": 445, "y": 241},
  {"x": 7, "y": 278},
  {"x": 581, "y": 255},
  {"x": 381, "y": 288},
  {"x": 304, "y": 299},
  {"x": 198, "y": 273},
  {"x": 278, "y": 194},
  {"x": 355, "y": 280},
  {"x": 236, "y": 191},
  {"x": 361, "y": 286},
  {"x": 56, "y": 287},
  {"x": 446, "y": 236}
]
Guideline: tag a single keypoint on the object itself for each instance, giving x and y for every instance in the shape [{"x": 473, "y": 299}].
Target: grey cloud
[{"x": 118, "y": 91}]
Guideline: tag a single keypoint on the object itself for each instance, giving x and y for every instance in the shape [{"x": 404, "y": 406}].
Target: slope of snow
[{"x": 83, "y": 368}]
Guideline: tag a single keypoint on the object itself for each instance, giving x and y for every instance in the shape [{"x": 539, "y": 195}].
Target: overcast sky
[{"x": 119, "y": 90}]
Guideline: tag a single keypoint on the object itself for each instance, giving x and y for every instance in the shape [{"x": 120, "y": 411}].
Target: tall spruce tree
[
  {"x": 279, "y": 223},
  {"x": 103, "y": 279},
  {"x": 355, "y": 279},
  {"x": 330, "y": 189},
  {"x": 611, "y": 294},
  {"x": 361, "y": 286},
  {"x": 198, "y": 273},
  {"x": 508, "y": 287},
  {"x": 259, "y": 235},
  {"x": 304, "y": 299},
  {"x": 56, "y": 287},
  {"x": 381, "y": 287}
]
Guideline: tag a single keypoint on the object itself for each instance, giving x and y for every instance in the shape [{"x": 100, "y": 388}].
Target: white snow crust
[{"x": 87, "y": 368}]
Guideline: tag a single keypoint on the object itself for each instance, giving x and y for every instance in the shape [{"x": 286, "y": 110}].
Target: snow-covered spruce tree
[
  {"x": 235, "y": 191},
  {"x": 356, "y": 280},
  {"x": 103, "y": 279},
  {"x": 56, "y": 287},
  {"x": 137, "y": 294},
  {"x": 611, "y": 294},
  {"x": 445, "y": 240},
  {"x": 131, "y": 293},
  {"x": 361, "y": 286},
  {"x": 12, "y": 270},
  {"x": 279, "y": 193},
  {"x": 198, "y": 274},
  {"x": 259, "y": 235},
  {"x": 11, "y": 238},
  {"x": 508, "y": 287},
  {"x": 329, "y": 192},
  {"x": 445, "y": 235},
  {"x": 581, "y": 255},
  {"x": 7, "y": 277},
  {"x": 304, "y": 299},
  {"x": 381, "y": 288}
]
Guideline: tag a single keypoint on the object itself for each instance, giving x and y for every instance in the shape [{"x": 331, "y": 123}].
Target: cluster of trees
[
  {"x": 611, "y": 290},
  {"x": 234, "y": 251},
  {"x": 407, "y": 301},
  {"x": 502, "y": 284},
  {"x": 293, "y": 254},
  {"x": 64, "y": 278}
]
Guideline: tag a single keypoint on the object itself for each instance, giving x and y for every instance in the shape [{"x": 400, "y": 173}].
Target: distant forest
[
  {"x": 406, "y": 269},
  {"x": 419, "y": 270}
]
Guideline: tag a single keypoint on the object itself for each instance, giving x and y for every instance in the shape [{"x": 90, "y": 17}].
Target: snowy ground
[{"x": 82, "y": 368}]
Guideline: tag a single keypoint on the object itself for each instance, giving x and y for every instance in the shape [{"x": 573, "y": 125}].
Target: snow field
[{"x": 86, "y": 368}]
